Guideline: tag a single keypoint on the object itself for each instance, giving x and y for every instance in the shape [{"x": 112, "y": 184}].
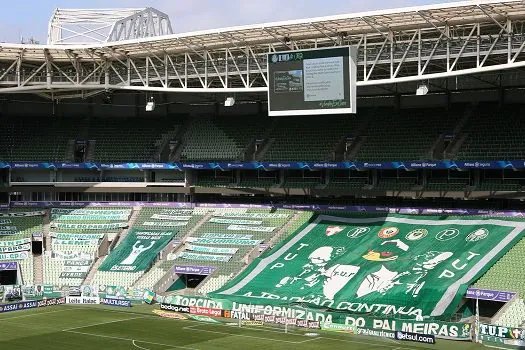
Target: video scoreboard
[{"x": 312, "y": 82}]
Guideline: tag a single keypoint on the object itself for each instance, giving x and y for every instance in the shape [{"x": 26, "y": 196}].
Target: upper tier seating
[
  {"x": 303, "y": 138},
  {"x": 35, "y": 139},
  {"x": 407, "y": 135},
  {"x": 132, "y": 139},
  {"x": 494, "y": 134},
  {"x": 221, "y": 138}
]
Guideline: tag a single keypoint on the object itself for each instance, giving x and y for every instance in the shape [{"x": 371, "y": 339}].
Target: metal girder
[
  {"x": 69, "y": 26},
  {"x": 439, "y": 46}
]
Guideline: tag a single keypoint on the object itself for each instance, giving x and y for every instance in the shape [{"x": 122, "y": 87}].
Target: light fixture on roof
[
  {"x": 150, "y": 106},
  {"x": 230, "y": 101},
  {"x": 422, "y": 89}
]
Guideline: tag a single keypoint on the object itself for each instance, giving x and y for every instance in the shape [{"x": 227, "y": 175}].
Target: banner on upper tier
[
  {"x": 15, "y": 242},
  {"x": 16, "y": 248},
  {"x": 14, "y": 256},
  {"x": 236, "y": 227},
  {"x": 137, "y": 251},
  {"x": 93, "y": 242},
  {"x": 92, "y": 217},
  {"x": 8, "y": 233},
  {"x": 165, "y": 223},
  {"x": 225, "y": 236},
  {"x": 204, "y": 257},
  {"x": 81, "y": 212},
  {"x": 390, "y": 266},
  {"x": 213, "y": 250},
  {"x": 176, "y": 212},
  {"x": 76, "y": 268},
  {"x": 22, "y": 214},
  {"x": 5, "y": 222},
  {"x": 235, "y": 221},
  {"x": 73, "y": 275},
  {"x": 171, "y": 217},
  {"x": 114, "y": 225},
  {"x": 57, "y": 255},
  {"x": 221, "y": 241},
  {"x": 77, "y": 236},
  {"x": 8, "y": 228},
  {"x": 251, "y": 215},
  {"x": 78, "y": 262}
]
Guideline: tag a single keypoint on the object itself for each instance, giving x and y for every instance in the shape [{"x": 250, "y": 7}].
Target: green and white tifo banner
[
  {"x": 14, "y": 256},
  {"x": 165, "y": 223},
  {"x": 251, "y": 228},
  {"x": 171, "y": 217},
  {"x": 137, "y": 251},
  {"x": 213, "y": 250},
  {"x": 16, "y": 248},
  {"x": 92, "y": 242},
  {"x": 226, "y": 235},
  {"x": 92, "y": 217},
  {"x": 222, "y": 241},
  {"x": 401, "y": 266},
  {"x": 91, "y": 211},
  {"x": 15, "y": 242},
  {"x": 235, "y": 221},
  {"x": 77, "y": 236},
  {"x": 204, "y": 257},
  {"x": 252, "y": 215},
  {"x": 113, "y": 225}
]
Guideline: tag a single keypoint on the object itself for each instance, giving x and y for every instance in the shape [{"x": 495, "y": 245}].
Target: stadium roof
[
  {"x": 411, "y": 44},
  {"x": 374, "y": 23}
]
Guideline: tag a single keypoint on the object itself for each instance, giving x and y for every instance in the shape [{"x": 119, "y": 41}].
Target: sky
[{"x": 29, "y": 18}]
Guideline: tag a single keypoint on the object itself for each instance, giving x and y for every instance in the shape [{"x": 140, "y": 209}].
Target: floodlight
[
  {"x": 230, "y": 101},
  {"x": 150, "y": 106},
  {"x": 422, "y": 89}
]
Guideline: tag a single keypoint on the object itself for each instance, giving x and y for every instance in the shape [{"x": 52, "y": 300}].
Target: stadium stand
[
  {"x": 201, "y": 248},
  {"x": 79, "y": 233},
  {"x": 303, "y": 138},
  {"x": 501, "y": 276},
  {"x": 514, "y": 314},
  {"x": 23, "y": 228},
  {"x": 45, "y": 139},
  {"x": 112, "y": 137},
  {"x": 494, "y": 133},
  {"x": 221, "y": 138},
  {"x": 405, "y": 135},
  {"x": 179, "y": 221},
  {"x": 32, "y": 139}
]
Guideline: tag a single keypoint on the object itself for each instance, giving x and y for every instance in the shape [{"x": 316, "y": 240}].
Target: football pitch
[{"x": 99, "y": 327}]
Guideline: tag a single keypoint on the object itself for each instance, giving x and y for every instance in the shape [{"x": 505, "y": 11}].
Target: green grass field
[{"x": 99, "y": 327}]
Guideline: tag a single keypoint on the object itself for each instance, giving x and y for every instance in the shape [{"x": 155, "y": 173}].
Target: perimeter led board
[{"x": 312, "y": 82}]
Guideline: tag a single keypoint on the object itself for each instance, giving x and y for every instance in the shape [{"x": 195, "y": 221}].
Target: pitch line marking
[
  {"x": 35, "y": 314},
  {"x": 246, "y": 336},
  {"x": 100, "y": 323},
  {"x": 138, "y": 346},
  {"x": 132, "y": 340}
]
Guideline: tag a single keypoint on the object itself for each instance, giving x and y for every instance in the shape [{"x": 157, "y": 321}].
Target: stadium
[{"x": 352, "y": 181}]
